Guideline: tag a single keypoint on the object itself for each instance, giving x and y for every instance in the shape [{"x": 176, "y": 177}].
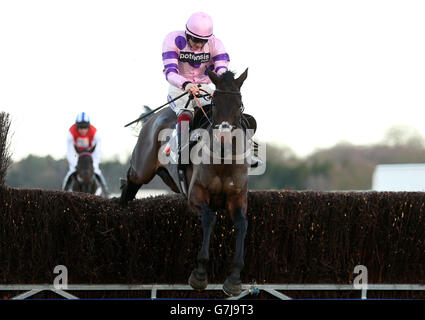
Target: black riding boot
[
  {"x": 181, "y": 165},
  {"x": 179, "y": 143},
  {"x": 182, "y": 144}
]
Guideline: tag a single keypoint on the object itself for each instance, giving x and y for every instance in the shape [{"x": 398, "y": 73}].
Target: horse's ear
[
  {"x": 76, "y": 149},
  {"x": 92, "y": 148},
  {"x": 213, "y": 76},
  {"x": 242, "y": 78}
]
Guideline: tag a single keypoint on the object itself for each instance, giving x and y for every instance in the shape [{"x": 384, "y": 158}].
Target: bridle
[
  {"x": 241, "y": 108},
  {"x": 225, "y": 126}
]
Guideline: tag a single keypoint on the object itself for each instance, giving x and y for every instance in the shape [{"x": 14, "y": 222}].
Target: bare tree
[
  {"x": 5, "y": 159},
  {"x": 403, "y": 135}
]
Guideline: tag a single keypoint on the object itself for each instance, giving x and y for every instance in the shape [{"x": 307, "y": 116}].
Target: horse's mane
[{"x": 228, "y": 77}]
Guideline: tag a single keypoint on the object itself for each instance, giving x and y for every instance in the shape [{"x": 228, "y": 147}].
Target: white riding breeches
[{"x": 179, "y": 105}]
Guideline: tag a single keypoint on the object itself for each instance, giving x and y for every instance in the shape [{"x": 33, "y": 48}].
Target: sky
[{"x": 320, "y": 72}]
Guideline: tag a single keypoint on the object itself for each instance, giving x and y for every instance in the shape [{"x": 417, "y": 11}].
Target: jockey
[
  {"x": 82, "y": 135},
  {"x": 186, "y": 56}
]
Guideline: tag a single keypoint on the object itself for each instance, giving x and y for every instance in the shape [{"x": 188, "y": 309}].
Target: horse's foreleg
[
  {"x": 129, "y": 190},
  {"x": 208, "y": 219},
  {"x": 233, "y": 284},
  {"x": 198, "y": 278}
]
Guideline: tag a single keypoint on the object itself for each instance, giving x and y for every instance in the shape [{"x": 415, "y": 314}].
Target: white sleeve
[
  {"x": 97, "y": 153},
  {"x": 71, "y": 154}
]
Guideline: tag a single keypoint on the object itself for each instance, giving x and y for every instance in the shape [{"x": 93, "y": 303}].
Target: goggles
[
  {"x": 83, "y": 125},
  {"x": 197, "y": 40}
]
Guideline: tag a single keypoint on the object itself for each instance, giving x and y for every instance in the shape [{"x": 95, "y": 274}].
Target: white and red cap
[{"x": 200, "y": 25}]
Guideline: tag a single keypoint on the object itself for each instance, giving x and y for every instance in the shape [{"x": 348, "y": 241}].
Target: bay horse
[
  {"x": 211, "y": 186},
  {"x": 85, "y": 177}
]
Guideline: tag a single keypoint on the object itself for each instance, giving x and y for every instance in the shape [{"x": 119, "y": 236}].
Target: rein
[{"x": 200, "y": 106}]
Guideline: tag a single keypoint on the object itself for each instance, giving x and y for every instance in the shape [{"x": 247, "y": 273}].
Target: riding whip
[{"x": 150, "y": 112}]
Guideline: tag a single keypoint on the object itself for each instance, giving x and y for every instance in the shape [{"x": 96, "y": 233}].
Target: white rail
[{"x": 273, "y": 289}]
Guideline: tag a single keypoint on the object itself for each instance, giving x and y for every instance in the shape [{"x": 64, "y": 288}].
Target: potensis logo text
[{"x": 194, "y": 57}]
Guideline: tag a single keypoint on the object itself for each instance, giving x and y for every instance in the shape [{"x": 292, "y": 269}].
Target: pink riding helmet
[{"x": 200, "y": 25}]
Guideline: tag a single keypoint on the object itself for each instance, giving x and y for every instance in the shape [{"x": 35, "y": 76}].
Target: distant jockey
[
  {"x": 186, "y": 56},
  {"x": 82, "y": 135}
]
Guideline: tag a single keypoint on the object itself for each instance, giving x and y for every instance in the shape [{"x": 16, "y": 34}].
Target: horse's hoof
[
  {"x": 197, "y": 283},
  {"x": 232, "y": 289}
]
